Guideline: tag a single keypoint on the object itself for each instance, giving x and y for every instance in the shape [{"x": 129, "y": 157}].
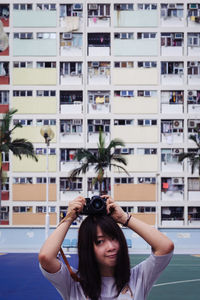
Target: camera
[{"x": 95, "y": 206}]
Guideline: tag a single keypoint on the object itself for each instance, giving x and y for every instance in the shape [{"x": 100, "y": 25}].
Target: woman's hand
[
  {"x": 115, "y": 210},
  {"x": 75, "y": 207}
]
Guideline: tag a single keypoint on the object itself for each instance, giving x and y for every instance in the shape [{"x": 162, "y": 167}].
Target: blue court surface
[{"x": 21, "y": 279}]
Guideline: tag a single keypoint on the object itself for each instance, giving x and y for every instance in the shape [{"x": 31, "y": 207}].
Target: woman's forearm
[{"x": 160, "y": 243}]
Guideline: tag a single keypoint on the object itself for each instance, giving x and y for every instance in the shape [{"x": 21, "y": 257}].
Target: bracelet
[{"x": 128, "y": 219}]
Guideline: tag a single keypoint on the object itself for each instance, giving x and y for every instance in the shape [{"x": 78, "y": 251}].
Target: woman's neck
[{"x": 106, "y": 271}]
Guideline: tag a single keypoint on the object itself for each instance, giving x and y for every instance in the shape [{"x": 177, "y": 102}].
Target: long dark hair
[{"x": 88, "y": 269}]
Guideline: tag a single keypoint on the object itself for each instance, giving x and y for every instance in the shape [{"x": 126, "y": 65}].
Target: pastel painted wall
[
  {"x": 33, "y": 219},
  {"x": 32, "y": 133},
  {"x": 39, "y": 47},
  {"x": 141, "y": 163},
  {"x": 37, "y": 105},
  {"x": 34, "y": 18},
  {"x": 29, "y": 165},
  {"x": 136, "y": 134},
  {"x": 135, "y": 192},
  {"x": 140, "y": 18},
  {"x": 135, "y": 105},
  {"x": 143, "y": 47},
  {"x": 33, "y": 192},
  {"x": 30, "y": 76},
  {"x": 135, "y": 76}
]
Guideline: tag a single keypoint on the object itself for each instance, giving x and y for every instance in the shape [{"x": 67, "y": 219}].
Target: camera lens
[{"x": 97, "y": 203}]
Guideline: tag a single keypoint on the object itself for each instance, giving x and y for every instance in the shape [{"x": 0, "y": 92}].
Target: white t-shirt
[{"x": 141, "y": 281}]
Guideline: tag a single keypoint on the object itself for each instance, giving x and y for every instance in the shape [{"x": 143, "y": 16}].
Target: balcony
[
  {"x": 169, "y": 160},
  {"x": 172, "y": 102},
  {"x": 4, "y": 14},
  {"x": 71, "y": 102},
  {"x": 172, "y": 73},
  {"x": 98, "y": 15},
  {"x": 98, "y": 44},
  {"x": 71, "y": 17},
  {"x": 193, "y": 101},
  {"x": 172, "y": 131},
  {"x": 193, "y": 75},
  {"x": 99, "y": 102},
  {"x": 4, "y": 73},
  {"x": 99, "y": 73},
  {"x": 172, "y": 44},
  {"x": 70, "y": 188},
  {"x": 172, "y": 189},
  {"x": 172, "y": 216},
  {"x": 193, "y": 15},
  {"x": 71, "y": 44},
  {"x": 94, "y": 126},
  {"x": 172, "y": 15},
  {"x": 71, "y": 73},
  {"x": 71, "y": 131},
  {"x": 193, "y": 188}
]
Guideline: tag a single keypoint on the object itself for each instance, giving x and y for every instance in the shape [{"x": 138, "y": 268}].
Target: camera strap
[{"x": 72, "y": 273}]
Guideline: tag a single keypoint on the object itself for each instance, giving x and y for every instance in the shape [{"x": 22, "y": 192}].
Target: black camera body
[{"x": 94, "y": 206}]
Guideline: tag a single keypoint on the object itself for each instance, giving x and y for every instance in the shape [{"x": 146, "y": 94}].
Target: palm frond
[
  {"x": 184, "y": 155},
  {"x": 21, "y": 147},
  {"x": 120, "y": 167}
]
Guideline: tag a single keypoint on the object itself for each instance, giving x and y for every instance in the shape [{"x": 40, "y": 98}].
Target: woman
[{"x": 104, "y": 269}]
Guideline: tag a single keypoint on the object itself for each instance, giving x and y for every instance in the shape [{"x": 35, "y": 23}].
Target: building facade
[{"x": 131, "y": 69}]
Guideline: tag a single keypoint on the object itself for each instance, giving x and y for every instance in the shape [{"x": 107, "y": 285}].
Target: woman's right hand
[{"x": 75, "y": 207}]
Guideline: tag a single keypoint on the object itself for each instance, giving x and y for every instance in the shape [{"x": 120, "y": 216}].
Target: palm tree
[
  {"x": 18, "y": 147},
  {"x": 194, "y": 157},
  {"x": 104, "y": 158}
]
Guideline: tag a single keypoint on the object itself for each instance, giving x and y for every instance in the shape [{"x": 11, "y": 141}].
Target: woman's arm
[
  {"x": 49, "y": 251},
  {"x": 160, "y": 243}
]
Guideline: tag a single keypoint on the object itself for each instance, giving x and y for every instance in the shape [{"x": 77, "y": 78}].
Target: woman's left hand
[{"x": 115, "y": 210}]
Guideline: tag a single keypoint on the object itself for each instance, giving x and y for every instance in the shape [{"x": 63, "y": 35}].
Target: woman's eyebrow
[{"x": 100, "y": 236}]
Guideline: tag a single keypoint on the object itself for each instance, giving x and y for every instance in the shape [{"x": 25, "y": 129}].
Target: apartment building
[{"x": 131, "y": 69}]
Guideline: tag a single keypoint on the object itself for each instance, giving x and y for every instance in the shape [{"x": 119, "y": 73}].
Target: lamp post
[
  {"x": 48, "y": 135},
  {"x": 157, "y": 198}
]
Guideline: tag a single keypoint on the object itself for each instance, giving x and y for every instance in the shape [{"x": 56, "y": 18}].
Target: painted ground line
[{"x": 176, "y": 282}]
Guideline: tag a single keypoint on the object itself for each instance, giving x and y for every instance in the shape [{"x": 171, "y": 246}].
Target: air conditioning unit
[
  {"x": 67, "y": 35},
  {"x": 77, "y": 6},
  {"x": 172, "y": 5},
  {"x": 177, "y": 124},
  {"x": 192, "y": 93},
  {"x": 192, "y": 124},
  {"x": 177, "y": 151},
  {"x": 76, "y": 122},
  {"x": 141, "y": 179},
  {"x": 93, "y": 6},
  {"x": 177, "y": 180},
  {"x": 124, "y": 151},
  {"x": 95, "y": 64}
]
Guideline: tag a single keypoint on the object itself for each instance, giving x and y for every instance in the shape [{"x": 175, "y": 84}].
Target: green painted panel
[
  {"x": 145, "y": 47},
  {"x": 40, "y": 47},
  {"x": 140, "y": 18},
  {"x": 34, "y": 18}
]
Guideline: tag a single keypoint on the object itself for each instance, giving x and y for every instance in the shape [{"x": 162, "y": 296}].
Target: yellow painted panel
[
  {"x": 33, "y": 192},
  {"x": 29, "y": 165},
  {"x": 32, "y": 133},
  {"x": 135, "y": 105},
  {"x": 136, "y": 134},
  {"x": 135, "y": 192},
  {"x": 141, "y": 163},
  {"x": 135, "y": 76},
  {"x": 149, "y": 218},
  {"x": 35, "y": 105},
  {"x": 30, "y": 76},
  {"x": 32, "y": 219}
]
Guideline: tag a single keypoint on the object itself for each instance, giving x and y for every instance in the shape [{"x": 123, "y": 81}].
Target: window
[
  {"x": 46, "y": 6},
  {"x": 47, "y": 64},
  {"x": 45, "y": 93},
  {"x": 20, "y": 180},
  {"x": 22, "y": 6},
  {"x": 147, "y": 180},
  {"x": 147, "y": 64},
  {"x": 22, "y": 64},
  {"x": 51, "y": 122},
  {"x": 4, "y": 97},
  {"x": 71, "y": 126},
  {"x": 123, "y": 180},
  {"x": 46, "y": 35},
  {"x": 146, "y": 209},
  {"x": 67, "y": 184},
  {"x": 22, "y": 93},
  {"x": 22, "y": 209},
  {"x": 124, "y": 35},
  {"x": 44, "y": 179},
  {"x": 146, "y": 122},
  {"x": 147, "y": 6},
  {"x": 26, "y": 122},
  {"x": 146, "y": 35},
  {"x": 124, "y": 64},
  {"x": 98, "y": 10},
  {"x": 123, "y": 122},
  {"x": 146, "y": 151},
  {"x": 42, "y": 151},
  {"x": 23, "y": 35},
  {"x": 96, "y": 125}
]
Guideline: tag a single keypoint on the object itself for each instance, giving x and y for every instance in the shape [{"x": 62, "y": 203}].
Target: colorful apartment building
[{"x": 131, "y": 69}]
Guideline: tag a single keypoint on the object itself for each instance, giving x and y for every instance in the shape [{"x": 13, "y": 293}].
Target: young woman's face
[{"x": 106, "y": 250}]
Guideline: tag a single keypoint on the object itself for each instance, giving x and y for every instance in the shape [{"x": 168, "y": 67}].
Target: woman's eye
[{"x": 99, "y": 242}]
